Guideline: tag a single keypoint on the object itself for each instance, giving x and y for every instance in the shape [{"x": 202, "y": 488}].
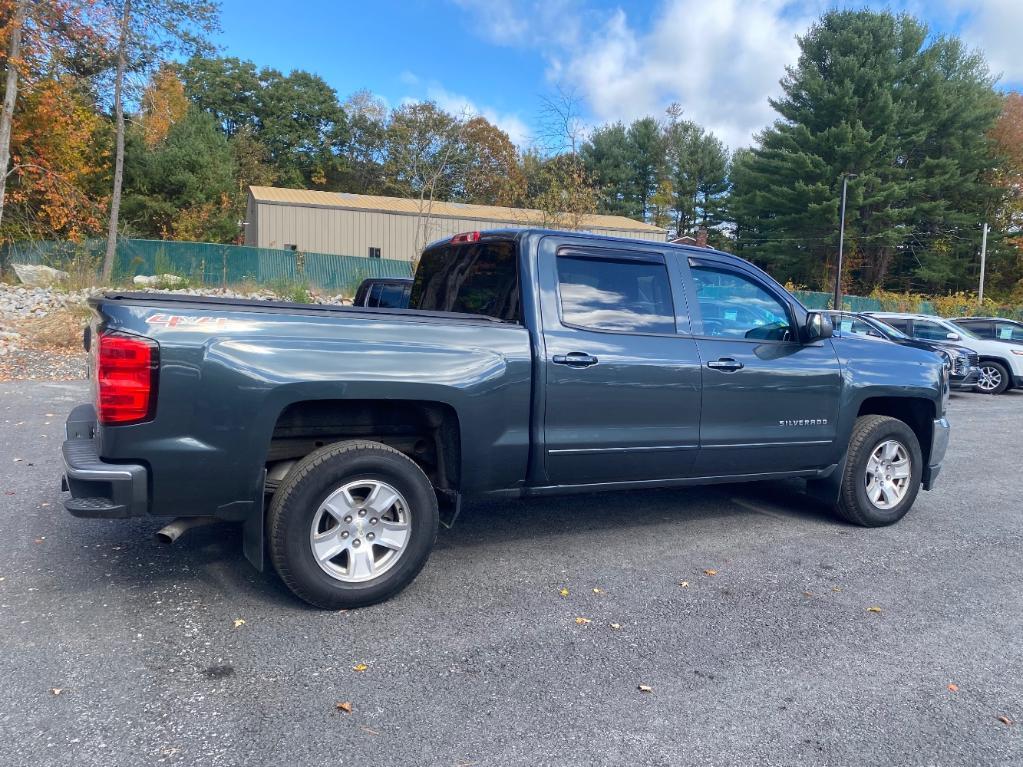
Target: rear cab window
[{"x": 469, "y": 278}]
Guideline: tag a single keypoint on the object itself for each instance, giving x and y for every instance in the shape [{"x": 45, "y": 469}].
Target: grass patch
[{"x": 60, "y": 329}]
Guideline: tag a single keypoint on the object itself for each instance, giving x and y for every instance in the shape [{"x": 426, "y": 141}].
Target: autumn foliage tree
[{"x": 53, "y": 164}]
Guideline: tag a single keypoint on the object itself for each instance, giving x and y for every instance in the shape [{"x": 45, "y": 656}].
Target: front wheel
[
  {"x": 352, "y": 524},
  {"x": 992, "y": 378},
  {"x": 882, "y": 472}
]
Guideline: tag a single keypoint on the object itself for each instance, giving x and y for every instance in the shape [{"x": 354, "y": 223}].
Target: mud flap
[
  {"x": 826, "y": 489},
  {"x": 449, "y": 505},
  {"x": 252, "y": 530}
]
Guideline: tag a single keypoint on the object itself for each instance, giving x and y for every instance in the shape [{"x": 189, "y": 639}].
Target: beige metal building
[{"x": 391, "y": 227}]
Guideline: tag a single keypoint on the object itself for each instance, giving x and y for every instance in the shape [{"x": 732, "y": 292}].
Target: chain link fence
[{"x": 206, "y": 264}]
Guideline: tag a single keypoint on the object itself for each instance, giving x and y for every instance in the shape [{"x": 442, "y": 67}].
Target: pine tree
[{"x": 870, "y": 96}]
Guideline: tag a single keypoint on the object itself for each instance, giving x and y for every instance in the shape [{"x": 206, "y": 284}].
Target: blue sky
[{"x": 721, "y": 60}]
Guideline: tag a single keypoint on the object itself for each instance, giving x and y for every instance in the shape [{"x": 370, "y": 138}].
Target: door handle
[
  {"x": 727, "y": 364},
  {"x": 575, "y": 359}
]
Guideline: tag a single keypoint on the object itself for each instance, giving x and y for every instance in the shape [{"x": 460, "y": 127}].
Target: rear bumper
[
  {"x": 939, "y": 444},
  {"x": 98, "y": 489}
]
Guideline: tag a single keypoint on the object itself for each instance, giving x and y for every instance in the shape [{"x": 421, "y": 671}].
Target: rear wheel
[
  {"x": 352, "y": 524},
  {"x": 882, "y": 472},
  {"x": 993, "y": 378}
]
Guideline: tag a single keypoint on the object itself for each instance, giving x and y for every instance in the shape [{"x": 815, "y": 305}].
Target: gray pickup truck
[{"x": 529, "y": 363}]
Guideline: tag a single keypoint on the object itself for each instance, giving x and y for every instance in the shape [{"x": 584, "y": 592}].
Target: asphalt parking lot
[{"x": 119, "y": 651}]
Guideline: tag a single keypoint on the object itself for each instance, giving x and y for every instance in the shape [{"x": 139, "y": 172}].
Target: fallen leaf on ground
[
  {"x": 564, "y": 592},
  {"x": 836, "y": 589},
  {"x": 645, "y": 688},
  {"x": 953, "y": 688},
  {"x": 683, "y": 584},
  {"x": 344, "y": 705},
  {"x": 598, "y": 591},
  {"x": 1005, "y": 720},
  {"x": 614, "y": 626},
  {"x": 40, "y": 540},
  {"x": 56, "y": 690},
  {"x": 582, "y": 621},
  {"x": 873, "y": 609},
  {"x": 239, "y": 622},
  {"x": 710, "y": 572},
  {"x": 360, "y": 667},
  {"x": 807, "y": 593}
]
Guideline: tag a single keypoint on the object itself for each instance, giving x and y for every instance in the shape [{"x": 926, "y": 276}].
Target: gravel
[
  {"x": 773, "y": 660},
  {"x": 20, "y": 359}
]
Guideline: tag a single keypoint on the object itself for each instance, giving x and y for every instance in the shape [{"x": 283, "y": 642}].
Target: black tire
[
  {"x": 868, "y": 433},
  {"x": 1000, "y": 370},
  {"x": 304, "y": 489}
]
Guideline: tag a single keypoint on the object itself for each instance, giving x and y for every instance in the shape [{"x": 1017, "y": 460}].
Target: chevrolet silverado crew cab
[{"x": 528, "y": 363}]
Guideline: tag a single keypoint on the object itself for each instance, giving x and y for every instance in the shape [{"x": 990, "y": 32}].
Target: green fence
[
  {"x": 813, "y": 299},
  {"x": 207, "y": 264}
]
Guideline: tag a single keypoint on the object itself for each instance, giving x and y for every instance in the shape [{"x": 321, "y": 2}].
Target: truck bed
[{"x": 287, "y": 307}]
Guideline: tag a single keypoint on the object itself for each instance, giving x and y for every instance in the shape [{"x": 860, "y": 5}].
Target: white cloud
[
  {"x": 720, "y": 61},
  {"x": 460, "y": 105},
  {"x": 996, "y": 28}
]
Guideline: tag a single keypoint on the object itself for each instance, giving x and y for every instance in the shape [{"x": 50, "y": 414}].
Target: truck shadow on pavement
[{"x": 208, "y": 560}]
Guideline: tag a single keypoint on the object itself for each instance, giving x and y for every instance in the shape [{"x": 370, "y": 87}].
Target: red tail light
[
  {"x": 465, "y": 237},
  {"x": 126, "y": 375}
]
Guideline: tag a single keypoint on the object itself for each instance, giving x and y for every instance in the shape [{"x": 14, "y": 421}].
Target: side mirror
[
  {"x": 818, "y": 326},
  {"x": 952, "y": 336}
]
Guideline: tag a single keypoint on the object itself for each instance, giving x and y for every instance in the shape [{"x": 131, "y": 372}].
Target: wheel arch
[
  {"x": 916, "y": 412},
  {"x": 427, "y": 431}
]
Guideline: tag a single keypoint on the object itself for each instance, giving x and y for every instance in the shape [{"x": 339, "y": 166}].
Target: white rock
[
  {"x": 37, "y": 275},
  {"x": 157, "y": 279}
]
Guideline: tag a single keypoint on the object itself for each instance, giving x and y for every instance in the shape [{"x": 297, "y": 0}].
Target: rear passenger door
[
  {"x": 622, "y": 379},
  {"x": 770, "y": 402}
]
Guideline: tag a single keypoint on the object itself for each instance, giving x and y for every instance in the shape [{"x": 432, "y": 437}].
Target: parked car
[
  {"x": 963, "y": 363},
  {"x": 1001, "y": 364},
  {"x": 531, "y": 363},
  {"x": 384, "y": 292},
  {"x": 996, "y": 328}
]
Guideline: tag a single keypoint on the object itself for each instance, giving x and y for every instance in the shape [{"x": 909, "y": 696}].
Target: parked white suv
[{"x": 1001, "y": 363}]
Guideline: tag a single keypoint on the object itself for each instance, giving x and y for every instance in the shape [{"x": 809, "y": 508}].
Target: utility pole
[
  {"x": 983, "y": 261},
  {"x": 837, "y": 303}
]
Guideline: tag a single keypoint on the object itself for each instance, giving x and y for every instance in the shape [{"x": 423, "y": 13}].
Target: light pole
[{"x": 841, "y": 241}]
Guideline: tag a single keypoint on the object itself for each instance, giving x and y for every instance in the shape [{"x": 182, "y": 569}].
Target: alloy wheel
[
  {"x": 888, "y": 474},
  {"x": 360, "y": 530}
]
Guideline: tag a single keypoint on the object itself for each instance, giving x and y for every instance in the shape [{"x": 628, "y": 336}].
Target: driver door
[{"x": 770, "y": 401}]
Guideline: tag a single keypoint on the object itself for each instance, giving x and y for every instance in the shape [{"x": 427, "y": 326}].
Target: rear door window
[
  {"x": 1006, "y": 331},
  {"x": 624, "y": 295}
]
